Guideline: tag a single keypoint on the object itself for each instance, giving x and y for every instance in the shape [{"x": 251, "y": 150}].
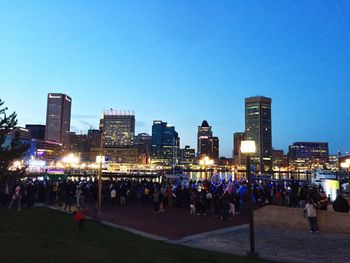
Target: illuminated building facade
[
  {"x": 129, "y": 155},
  {"x": 45, "y": 150},
  {"x": 187, "y": 155},
  {"x": 117, "y": 128},
  {"x": 165, "y": 143},
  {"x": 307, "y": 155},
  {"x": 207, "y": 145},
  {"x": 258, "y": 129},
  {"x": 58, "y": 117},
  {"x": 279, "y": 159}
]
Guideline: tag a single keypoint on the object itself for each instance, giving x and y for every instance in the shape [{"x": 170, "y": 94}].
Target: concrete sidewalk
[{"x": 278, "y": 245}]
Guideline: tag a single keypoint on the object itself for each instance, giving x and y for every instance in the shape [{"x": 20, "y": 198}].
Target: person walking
[{"x": 311, "y": 213}]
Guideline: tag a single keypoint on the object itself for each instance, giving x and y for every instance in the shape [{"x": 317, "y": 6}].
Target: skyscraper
[
  {"x": 93, "y": 139},
  {"x": 117, "y": 128},
  {"x": 207, "y": 145},
  {"x": 258, "y": 129},
  {"x": 58, "y": 116},
  {"x": 165, "y": 143},
  {"x": 238, "y": 137}
]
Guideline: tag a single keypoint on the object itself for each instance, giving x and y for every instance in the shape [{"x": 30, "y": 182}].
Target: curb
[{"x": 209, "y": 234}]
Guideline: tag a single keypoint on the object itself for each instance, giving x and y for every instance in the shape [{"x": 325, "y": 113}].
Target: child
[{"x": 79, "y": 217}]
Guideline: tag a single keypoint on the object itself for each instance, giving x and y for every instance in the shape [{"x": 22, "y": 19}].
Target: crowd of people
[{"x": 223, "y": 199}]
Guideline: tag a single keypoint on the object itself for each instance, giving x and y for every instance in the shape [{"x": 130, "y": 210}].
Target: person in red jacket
[{"x": 79, "y": 217}]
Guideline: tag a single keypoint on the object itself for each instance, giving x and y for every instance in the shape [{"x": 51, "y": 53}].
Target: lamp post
[{"x": 248, "y": 148}]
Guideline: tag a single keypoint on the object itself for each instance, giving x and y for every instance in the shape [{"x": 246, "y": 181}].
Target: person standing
[
  {"x": 311, "y": 213},
  {"x": 17, "y": 196},
  {"x": 113, "y": 196},
  {"x": 123, "y": 191}
]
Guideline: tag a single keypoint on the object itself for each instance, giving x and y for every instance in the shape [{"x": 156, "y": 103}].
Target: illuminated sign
[{"x": 55, "y": 97}]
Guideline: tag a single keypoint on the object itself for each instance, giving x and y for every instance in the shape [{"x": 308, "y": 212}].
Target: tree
[{"x": 9, "y": 150}]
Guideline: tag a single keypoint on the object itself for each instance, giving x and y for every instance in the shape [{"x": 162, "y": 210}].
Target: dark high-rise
[
  {"x": 258, "y": 129},
  {"x": 58, "y": 116},
  {"x": 207, "y": 145},
  {"x": 93, "y": 139},
  {"x": 77, "y": 143},
  {"x": 117, "y": 128},
  {"x": 165, "y": 143}
]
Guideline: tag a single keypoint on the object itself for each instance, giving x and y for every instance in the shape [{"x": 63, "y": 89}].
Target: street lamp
[{"x": 248, "y": 148}]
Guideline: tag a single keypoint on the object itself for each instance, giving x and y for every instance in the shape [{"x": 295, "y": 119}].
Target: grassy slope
[{"x": 42, "y": 235}]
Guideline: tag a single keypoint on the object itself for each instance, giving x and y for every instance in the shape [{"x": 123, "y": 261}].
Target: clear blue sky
[{"x": 182, "y": 62}]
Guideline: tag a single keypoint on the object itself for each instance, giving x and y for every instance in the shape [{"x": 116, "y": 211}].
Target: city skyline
[{"x": 169, "y": 63}]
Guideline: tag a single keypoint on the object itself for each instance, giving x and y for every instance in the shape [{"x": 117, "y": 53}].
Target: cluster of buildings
[{"x": 117, "y": 141}]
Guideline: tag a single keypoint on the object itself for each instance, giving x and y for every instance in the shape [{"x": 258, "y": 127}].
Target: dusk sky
[{"x": 183, "y": 62}]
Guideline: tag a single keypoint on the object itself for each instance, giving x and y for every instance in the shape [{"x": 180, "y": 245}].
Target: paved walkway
[
  {"x": 173, "y": 224},
  {"x": 272, "y": 244}
]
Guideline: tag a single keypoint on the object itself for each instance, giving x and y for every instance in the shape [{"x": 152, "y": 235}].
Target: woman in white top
[{"x": 311, "y": 213}]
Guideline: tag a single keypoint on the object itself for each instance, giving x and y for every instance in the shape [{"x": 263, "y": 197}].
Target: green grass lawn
[{"x": 43, "y": 235}]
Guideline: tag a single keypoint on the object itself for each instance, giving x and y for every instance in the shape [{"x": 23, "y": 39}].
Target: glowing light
[
  {"x": 248, "y": 147},
  {"x": 99, "y": 157},
  {"x": 71, "y": 159},
  {"x": 344, "y": 165},
  {"x": 206, "y": 161}
]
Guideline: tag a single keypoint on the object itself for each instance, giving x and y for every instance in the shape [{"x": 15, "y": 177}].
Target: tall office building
[
  {"x": 258, "y": 129},
  {"x": 308, "y": 155},
  {"x": 93, "y": 139},
  {"x": 58, "y": 116},
  {"x": 187, "y": 155},
  {"x": 117, "y": 128},
  {"x": 77, "y": 143},
  {"x": 165, "y": 143},
  {"x": 238, "y": 159},
  {"x": 207, "y": 145}
]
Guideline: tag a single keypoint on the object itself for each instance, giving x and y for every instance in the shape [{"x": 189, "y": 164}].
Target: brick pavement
[{"x": 173, "y": 224}]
